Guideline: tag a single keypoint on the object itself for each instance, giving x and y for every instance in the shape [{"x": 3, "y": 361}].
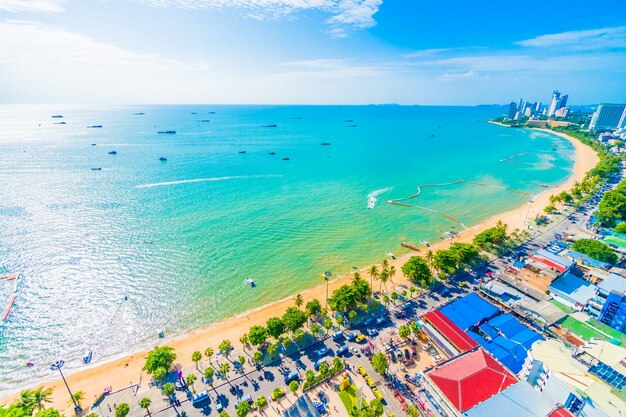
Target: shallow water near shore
[{"x": 108, "y": 257}]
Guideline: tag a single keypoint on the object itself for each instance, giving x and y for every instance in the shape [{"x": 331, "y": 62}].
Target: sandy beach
[{"x": 119, "y": 373}]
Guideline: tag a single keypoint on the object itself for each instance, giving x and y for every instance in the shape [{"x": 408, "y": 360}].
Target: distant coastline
[{"x": 118, "y": 372}]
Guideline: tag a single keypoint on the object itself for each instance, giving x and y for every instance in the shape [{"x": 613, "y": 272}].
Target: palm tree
[
  {"x": 383, "y": 277},
  {"x": 145, "y": 403},
  {"x": 298, "y": 335},
  {"x": 373, "y": 275},
  {"x": 40, "y": 397},
  {"x": 78, "y": 396},
  {"x": 299, "y": 300},
  {"x": 196, "y": 357},
  {"x": 272, "y": 349},
  {"x": 244, "y": 340},
  {"x": 26, "y": 401},
  {"x": 208, "y": 353},
  {"x": 385, "y": 265},
  {"x": 356, "y": 278},
  {"x": 392, "y": 273},
  {"x": 191, "y": 379},
  {"x": 224, "y": 369},
  {"x": 225, "y": 347},
  {"x": 430, "y": 257}
]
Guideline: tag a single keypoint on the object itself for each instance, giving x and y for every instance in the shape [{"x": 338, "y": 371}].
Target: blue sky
[{"x": 310, "y": 51}]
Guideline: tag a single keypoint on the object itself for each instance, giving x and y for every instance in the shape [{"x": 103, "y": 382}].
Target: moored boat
[
  {"x": 272, "y": 125},
  {"x": 94, "y": 127},
  {"x": 286, "y": 158},
  {"x": 250, "y": 282},
  {"x": 391, "y": 255},
  {"x": 409, "y": 246},
  {"x": 87, "y": 357},
  {"x": 162, "y": 158},
  {"x": 112, "y": 152},
  {"x": 423, "y": 242},
  {"x": 166, "y": 132},
  {"x": 10, "y": 277}
]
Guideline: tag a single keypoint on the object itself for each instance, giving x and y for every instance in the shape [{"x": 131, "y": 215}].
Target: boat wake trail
[
  {"x": 371, "y": 197},
  {"x": 212, "y": 179}
]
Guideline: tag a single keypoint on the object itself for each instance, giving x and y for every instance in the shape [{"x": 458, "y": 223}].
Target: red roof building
[
  {"x": 561, "y": 412},
  {"x": 453, "y": 333},
  {"x": 467, "y": 380}
]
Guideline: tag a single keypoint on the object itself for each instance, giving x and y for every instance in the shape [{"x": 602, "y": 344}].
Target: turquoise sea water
[{"x": 177, "y": 238}]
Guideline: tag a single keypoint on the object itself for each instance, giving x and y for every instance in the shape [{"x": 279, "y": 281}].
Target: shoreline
[{"x": 125, "y": 369}]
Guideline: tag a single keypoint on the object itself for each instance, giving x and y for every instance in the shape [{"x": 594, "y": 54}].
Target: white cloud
[
  {"x": 347, "y": 15},
  {"x": 457, "y": 75},
  {"x": 31, "y": 6},
  {"x": 604, "y": 38}
]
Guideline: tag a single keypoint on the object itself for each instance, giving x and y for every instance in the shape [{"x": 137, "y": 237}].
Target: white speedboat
[
  {"x": 423, "y": 242},
  {"x": 391, "y": 255},
  {"x": 250, "y": 282}
]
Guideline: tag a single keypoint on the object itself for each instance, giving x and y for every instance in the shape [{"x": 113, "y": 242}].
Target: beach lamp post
[
  {"x": 57, "y": 367},
  {"x": 326, "y": 276}
]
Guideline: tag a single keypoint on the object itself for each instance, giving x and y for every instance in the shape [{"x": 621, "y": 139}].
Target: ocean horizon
[{"x": 113, "y": 246}]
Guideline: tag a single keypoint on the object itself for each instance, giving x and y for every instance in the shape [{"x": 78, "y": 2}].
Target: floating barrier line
[{"x": 447, "y": 216}]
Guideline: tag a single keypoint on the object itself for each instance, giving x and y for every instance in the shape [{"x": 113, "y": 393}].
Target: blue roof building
[
  {"x": 506, "y": 339},
  {"x": 469, "y": 311},
  {"x": 585, "y": 260},
  {"x": 572, "y": 291},
  {"x": 609, "y": 303}
]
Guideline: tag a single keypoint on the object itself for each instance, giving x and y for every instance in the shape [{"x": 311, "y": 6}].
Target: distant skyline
[{"x": 310, "y": 51}]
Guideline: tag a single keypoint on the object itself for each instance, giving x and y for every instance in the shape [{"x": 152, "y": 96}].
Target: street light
[{"x": 57, "y": 367}]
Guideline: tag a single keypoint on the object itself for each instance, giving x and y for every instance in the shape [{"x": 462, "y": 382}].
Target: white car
[{"x": 437, "y": 357}]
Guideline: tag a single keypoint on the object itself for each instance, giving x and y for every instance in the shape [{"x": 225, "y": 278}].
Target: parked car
[
  {"x": 437, "y": 357},
  {"x": 409, "y": 362},
  {"x": 368, "y": 322},
  {"x": 352, "y": 336},
  {"x": 292, "y": 376},
  {"x": 372, "y": 332},
  {"x": 393, "y": 357},
  {"x": 432, "y": 352},
  {"x": 200, "y": 398},
  {"x": 343, "y": 349},
  {"x": 322, "y": 352},
  {"x": 360, "y": 338},
  {"x": 319, "y": 363},
  {"x": 407, "y": 354},
  {"x": 337, "y": 335},
  {"x": 414, "y": 351}
]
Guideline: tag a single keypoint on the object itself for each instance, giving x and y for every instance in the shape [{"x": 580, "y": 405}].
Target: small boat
[
  {"x": 96, "y": 169},
  {"x": 9, "y": 277},
  {"x": 57, "y": 116},
  {"x": 193, "y": 112},
  {"x": 354, "y": 267},
  {"x": 60, "y": 123},
  {"x": 409, "y": 246},
  {"x": 204, "y": 121},
  {"x": 94, "y": 127},
  {"x": 432, "y": 136},
  {"x": 162, "y": 158},
  {"x": 242, "y": 151},
  {"x": 160, "y": 333},
  {"x": 450, "y": 234},
  {"x": 353, "y": 125},
  {"x": 554, "y": 149},
  {"x": 391, "y": 255},
  {"x": 166, "y": 132},
  {"x": 93, "y": 144},
  {"x": 250, "y": 282},
  {"x": 286, "y": 158},
  {"x": 30, "y": 364},
  {"x": 423, "y": 242},
  {"x": 325, "y": 144},
  {"x": 349, "y": 121},
  {"x": 272, "y": 153},
  {"x": 297, "y": 118},
  {"x": 544, "y": 185},
  {"x": 112, "y": 152},
  {"x": 87, "y": 357},
  {"x": 211, "y": 112},
  {"x": 138, "y": 114},
  {"x": 269, "y": 126}
]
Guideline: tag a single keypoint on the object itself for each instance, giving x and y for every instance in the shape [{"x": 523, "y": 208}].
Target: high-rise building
[
  {"x": 608, "y": 116},
  {"x": 563, "y": 102},
  {"x": 537, "y": 106},
  {"x": 562, "y": 112},
  {"x": 512, "y": 110},
  {"x": 554, "y": 102}
]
